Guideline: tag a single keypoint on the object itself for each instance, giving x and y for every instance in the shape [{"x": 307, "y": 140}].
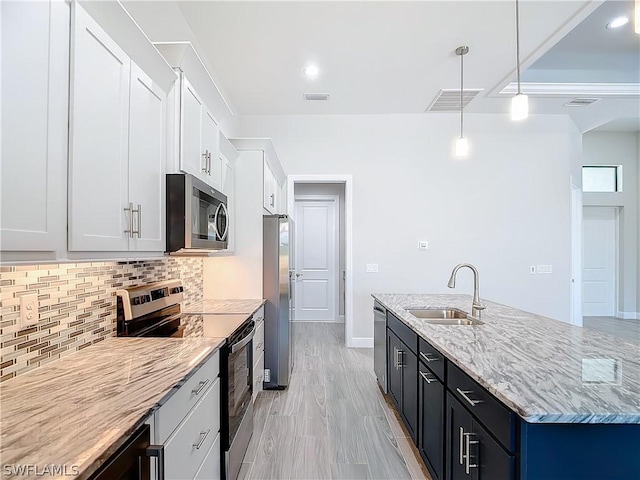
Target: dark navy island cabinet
[{"x": 463, "y": 432}]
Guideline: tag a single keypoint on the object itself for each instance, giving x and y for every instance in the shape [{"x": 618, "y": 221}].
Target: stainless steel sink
[{"x": 444, "y": 316}]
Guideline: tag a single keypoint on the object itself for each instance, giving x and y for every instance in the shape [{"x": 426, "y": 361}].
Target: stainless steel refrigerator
[{"x": 278, "y": 283}]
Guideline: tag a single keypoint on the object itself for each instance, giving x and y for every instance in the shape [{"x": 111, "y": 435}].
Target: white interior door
[
  {"x": 316, "y": 292},
  {"x": 599, "y": 261}
]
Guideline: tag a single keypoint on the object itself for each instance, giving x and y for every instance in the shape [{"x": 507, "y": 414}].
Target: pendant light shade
[
  {"x": 519, "y": 107},
  {"x": 462, "y": 146},
  {"x": 519, "y": 103}
]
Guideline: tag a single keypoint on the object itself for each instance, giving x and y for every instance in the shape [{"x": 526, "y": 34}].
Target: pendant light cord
[
  {"x": 461, "y": 90},
  {"x": 518, "y": 43}
]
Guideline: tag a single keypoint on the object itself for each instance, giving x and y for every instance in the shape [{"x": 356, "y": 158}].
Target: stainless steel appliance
[
  {"x": 151, "y": 310},
  {"x": 380, "y": 344},
  {"x": 197, "y": 217},
  {"x": 278, "y": 284},
  {"x": 132, "y": 460}
]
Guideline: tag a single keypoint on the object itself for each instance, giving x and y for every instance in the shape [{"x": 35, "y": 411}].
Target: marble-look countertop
[
  {"x": 224, "y": 307},
  {"x": 545, "y": 370},
  {"x": 79, "y": 410}
]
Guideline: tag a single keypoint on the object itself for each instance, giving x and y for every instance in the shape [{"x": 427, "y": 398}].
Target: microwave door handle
[
  {"x": 242, "y": 343},
  {"x": 215, "y": 223},
  {"x": 223, "y": 207}
]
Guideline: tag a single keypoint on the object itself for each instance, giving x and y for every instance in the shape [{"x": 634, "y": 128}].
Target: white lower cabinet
[{"x": 188, "y": 426}]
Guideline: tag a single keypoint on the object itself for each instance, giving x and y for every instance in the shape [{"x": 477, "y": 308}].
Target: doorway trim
[
  {"x": 347, "y": 181},
  {"x": 336, "y": 200},
  {"x": 576, "y": 317}
]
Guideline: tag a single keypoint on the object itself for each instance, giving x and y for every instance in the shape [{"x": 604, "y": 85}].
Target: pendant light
[
  {"x": 462, "y": 146},
  {"x": 519, "y": 103},
  {"x": 636, "y": 15}
]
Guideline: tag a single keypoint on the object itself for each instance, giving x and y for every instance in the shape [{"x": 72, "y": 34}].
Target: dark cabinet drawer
[
  {"x": 404, "y": 333},
  {"x": 432, "y": 358},
  {"x": 497, "y": 418}
]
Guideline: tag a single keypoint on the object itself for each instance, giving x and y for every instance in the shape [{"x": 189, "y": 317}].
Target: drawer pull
[
  {"x": 203, "y": 437},
  {"x": 201, "y": 385},
  {"x": 428, "y": 358},
  {"x": 426, "y": 378},
  {"x": 461, "y": 446},
  {"x": 464, "y": 394}
]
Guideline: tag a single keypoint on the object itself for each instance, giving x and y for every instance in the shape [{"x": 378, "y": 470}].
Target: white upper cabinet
[
  {"x": 98, "y": 163},
  {"x": 192, "y": 157},
  {"x": 118, "y": 139},
  {"x": 147, "y": 130},
  {"x": 210, "y": 145},
  {"x": 34, "y": 106},
  {"x": 271, "y": 190}
]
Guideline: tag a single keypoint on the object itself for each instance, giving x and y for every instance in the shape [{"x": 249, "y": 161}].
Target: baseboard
[
  {"x": 629, "y": 315},
  {"x": 361, "y": 342}
]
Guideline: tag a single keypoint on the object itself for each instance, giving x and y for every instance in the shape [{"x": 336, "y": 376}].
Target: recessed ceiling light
[
  {"x": 311, "y": 71},
  {"x": 617, "y": 22}
]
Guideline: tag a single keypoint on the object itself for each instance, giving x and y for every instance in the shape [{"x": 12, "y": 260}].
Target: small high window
[{"x": 601, "y": 178}]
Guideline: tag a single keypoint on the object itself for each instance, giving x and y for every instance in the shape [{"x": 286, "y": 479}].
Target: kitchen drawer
[
  {"x": 404, "y": 333},
  {"x": 497, "y": 418},
  {"x": 173, "y": 412},
  {"x": 187, "y": 447},
  {"x": 432, "y": 359},
  {"x": 210, "y": 469},
  {"x": 258, "y": 341}
]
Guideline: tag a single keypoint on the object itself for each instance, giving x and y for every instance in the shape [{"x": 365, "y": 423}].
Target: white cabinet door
[
  {"x": 34, "y": 104},
  {"x": 211, "y": 467},
  {"x": 210, "y": 146},
  {"x": 269, "y": 189},
  {"x": 98, "y": 177},
  {"x": 192, "y": 159},
  {"x": 147, "y": 127}
]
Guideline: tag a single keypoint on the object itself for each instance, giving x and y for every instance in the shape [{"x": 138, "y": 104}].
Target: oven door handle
[{"x": 242, "y": 343}]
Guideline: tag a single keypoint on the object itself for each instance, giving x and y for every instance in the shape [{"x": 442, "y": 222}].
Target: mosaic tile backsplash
[{"x": 77, "y": 305}]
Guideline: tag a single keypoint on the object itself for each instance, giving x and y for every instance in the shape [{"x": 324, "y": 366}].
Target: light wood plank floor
[
  {"x": 332, "y": 422},
  {"x": 626, "y": 329}
]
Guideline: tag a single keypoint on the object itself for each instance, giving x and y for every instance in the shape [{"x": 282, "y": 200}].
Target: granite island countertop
[
  {"x": 545, "y": 370},
  {"x": 79, "y": 410},
  {"x": 224, "y": 306}
]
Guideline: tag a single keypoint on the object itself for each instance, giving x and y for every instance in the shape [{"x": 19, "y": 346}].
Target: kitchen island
[
  {"x": 555, "y": 400},
  {"x": 76, "y": 412}
]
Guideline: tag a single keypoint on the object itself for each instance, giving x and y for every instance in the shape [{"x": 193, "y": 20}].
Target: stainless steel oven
[
  {"x": 197, "y": 217},
  {"x": 237, "y": 411}
]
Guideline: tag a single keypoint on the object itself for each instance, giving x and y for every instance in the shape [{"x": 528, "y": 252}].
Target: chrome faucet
[{"x": 476, "y": 306}]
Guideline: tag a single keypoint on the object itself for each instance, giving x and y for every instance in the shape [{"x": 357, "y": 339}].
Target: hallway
[{"x": 332, "y": 421}]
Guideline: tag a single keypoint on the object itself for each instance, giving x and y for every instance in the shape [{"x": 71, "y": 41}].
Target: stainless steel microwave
[{"x": 197, "y": 217}]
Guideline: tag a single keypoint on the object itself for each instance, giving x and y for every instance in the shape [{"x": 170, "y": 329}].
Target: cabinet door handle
[
  {"x": 205, "y": 155},
  {"x": 428, "y": 358},
  {"x": 203, "y": 437},
  {"x": 272, "y": 201},
  {"x": 209, "y": 163},
  {"x": 461, "y": 450},
  {"x": 157, "y": 451},
  {"x": 201, "y": 385},
  {"x": 426, "y": 378},
  {"x": 468, "y": 442},
  {"x": 139, "y": 212},
  {"x": 395, "y": 357},
  {"x": 130, "y": 210}
]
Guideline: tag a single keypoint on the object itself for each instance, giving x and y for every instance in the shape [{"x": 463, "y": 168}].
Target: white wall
[
  {"x": 331, "y": 189},
  {"x": 503, "y": 209},
  {"x": 620, "y": 148}
]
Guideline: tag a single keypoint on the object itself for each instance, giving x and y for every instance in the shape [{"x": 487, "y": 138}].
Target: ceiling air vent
[
  {"x": 581, "y": 102},
  {"x": 316, "y": 96},
  {"x": 448, "y": 100}
]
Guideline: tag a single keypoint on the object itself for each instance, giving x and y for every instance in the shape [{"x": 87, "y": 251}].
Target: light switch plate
[
  {"x": 423, "y": 245},
  {"x": 372, "y": 268},
  {"x": 28, "y": 310},
  {"x": 544, "y": 269}
]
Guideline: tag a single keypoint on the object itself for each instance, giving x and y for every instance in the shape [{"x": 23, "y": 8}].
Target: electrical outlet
[
  {"x": 372, "y": 268},
  {"x": 28, "y": 310},
  {"x": 423, "y": 245},
  {"x": 267, "y": 375},
  {"x": 532, "y": 270}
]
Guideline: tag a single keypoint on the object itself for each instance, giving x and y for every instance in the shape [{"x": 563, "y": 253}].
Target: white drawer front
[
  {"x": 210, "y": 469},
  {"x": 187, "y": 448},
  {"x": 173, "y": 412},
  {"x": 258, "y": 341}
]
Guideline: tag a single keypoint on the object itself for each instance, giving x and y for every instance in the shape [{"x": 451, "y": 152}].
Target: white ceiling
[{"x": 374, "y": 57}]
